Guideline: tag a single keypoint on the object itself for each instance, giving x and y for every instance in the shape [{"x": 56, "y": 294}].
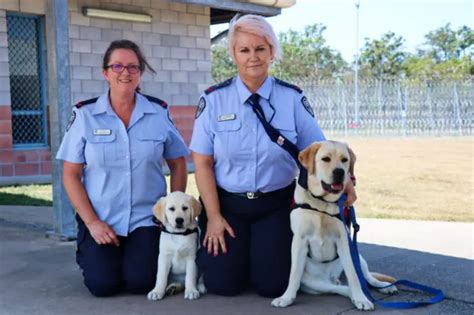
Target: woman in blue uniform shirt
[
  {"x": 112, "y": 172},
  {"x": 245, "y": 180}
]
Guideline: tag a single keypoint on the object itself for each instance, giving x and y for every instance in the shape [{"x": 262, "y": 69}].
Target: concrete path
[{"x": 39, "y": 275}]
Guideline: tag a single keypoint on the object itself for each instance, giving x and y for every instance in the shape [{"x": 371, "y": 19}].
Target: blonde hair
[{"x": 256, "y": 25}]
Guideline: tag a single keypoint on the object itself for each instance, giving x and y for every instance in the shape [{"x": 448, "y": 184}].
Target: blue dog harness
[{"x": 438, "y": 294}]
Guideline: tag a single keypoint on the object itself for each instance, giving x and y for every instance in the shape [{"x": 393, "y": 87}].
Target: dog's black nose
[
  {"x": 338, "y": 175},
  {"x": 179, "y": 221}
]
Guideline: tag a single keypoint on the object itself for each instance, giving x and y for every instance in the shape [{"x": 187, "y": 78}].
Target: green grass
[{"x": 27, "y": 195}]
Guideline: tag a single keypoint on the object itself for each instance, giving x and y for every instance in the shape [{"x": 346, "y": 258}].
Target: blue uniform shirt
[
  {"x": 245, "y": 159},
  {"x": 122, "y": 174}
]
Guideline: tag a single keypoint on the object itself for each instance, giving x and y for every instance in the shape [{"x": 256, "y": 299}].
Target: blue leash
[{"x": 438, "y": 294}]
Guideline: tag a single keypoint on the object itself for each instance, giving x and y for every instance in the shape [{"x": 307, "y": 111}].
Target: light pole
[{"x": 356, "y": 70}]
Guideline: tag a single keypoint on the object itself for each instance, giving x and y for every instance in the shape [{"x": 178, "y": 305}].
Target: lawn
[{"x": 400, "y": 178}]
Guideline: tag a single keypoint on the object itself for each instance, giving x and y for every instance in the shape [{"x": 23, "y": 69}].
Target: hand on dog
[
  {"x": 351, "y": 194},
  {"x": 102, "y": 233},
  {"x": 214, "y": 237}
]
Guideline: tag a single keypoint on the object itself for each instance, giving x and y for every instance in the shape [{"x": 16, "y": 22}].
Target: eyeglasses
[{"x": 118, "y": 68}]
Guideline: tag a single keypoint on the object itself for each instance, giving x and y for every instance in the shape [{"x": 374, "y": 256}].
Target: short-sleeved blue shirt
[
  {"x": 245, "y": 159},
  {"x": 122, "y": 173}
]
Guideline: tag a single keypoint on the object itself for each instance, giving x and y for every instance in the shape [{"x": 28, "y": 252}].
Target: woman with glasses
[
  {"x": 246, "y": 181},
  {"x": 112, "y": 170}
]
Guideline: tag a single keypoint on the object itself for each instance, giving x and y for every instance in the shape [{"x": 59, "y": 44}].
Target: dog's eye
[
  {"x": 184, "y": 208},
  {"x": 326, "y": 159},
  {"x": 171, "y": 208},
  {"x": 344, "y": 160}
]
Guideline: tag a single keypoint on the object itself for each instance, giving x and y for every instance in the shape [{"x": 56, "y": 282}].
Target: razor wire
[{"x": 393, "y": 107}]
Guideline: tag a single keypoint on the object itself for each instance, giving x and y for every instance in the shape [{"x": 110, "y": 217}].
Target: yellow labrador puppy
[
  {"x": 320, "y": 250},
  {"x": 177, "y": 213}
]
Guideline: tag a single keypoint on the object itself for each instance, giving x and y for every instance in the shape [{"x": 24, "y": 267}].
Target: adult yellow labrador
[{"x": 320, "y": 249}]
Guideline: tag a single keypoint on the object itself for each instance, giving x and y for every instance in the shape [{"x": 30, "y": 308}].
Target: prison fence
[{"x": 392, "y": 107}]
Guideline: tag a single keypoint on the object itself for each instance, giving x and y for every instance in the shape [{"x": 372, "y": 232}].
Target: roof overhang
[{"x": 223, "y": 11}]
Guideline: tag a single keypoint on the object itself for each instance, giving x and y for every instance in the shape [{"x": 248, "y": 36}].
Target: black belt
[{"x": 258, "y": 194}]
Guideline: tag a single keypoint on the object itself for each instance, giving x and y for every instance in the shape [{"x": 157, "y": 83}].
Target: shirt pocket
[
  {"x": 101, "y": 149},
  {"x": 150, "y": 147},
  {"x": 227, "y": 141},
  {"x": 287, "y": 128}
]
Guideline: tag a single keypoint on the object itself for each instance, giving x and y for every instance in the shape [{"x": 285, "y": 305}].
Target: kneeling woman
[
  {"x": 245, "y": 180},
  {"x": 112, "y": 153}
]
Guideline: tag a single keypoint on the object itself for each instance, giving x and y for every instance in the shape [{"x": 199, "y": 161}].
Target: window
[{"x": 26, "y": 62}]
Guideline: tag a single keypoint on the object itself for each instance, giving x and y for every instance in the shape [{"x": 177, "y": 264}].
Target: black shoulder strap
[{"x": 286, "y": 145}]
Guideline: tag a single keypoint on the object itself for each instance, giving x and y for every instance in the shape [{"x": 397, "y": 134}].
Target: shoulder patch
[
  {"x": 307, "y": 106},
  {"x": 71, "y": 120},
  {"x": 292, "y": 86},
  {"x": 218, "y": 86},
  {"x": 156, "y": 100},
  {"x": 200, "y": 108},
  {"x": 86, "y": 102}
]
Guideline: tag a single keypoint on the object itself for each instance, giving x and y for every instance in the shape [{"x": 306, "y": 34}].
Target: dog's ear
[
  {"x": 196, "y": 207},
  {"x": 306, "y": 156},
  {"x": 353, "y": 161},
  {"x": 159, "y": 210}
]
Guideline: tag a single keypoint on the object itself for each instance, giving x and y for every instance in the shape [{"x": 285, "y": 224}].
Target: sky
[{"x": 411, "y": 19}]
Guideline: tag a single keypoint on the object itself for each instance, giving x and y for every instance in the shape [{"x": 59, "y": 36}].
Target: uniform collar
[
  {"x": 142, "y": 105},
  {"x": 263, "y": 91}
]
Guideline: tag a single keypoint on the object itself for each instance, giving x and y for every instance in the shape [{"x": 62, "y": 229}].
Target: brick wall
[{"x": 176, "y": 44}]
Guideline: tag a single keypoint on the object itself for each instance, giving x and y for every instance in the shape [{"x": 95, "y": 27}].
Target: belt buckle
[{"x": 251, "y": 195}]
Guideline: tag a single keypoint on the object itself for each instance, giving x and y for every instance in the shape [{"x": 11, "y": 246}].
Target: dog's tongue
[{"x": 336, "y": 186}]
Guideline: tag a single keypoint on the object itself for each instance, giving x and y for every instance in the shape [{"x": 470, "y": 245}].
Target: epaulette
[
  {"x": 292, "y": 86},
  {"x": 156, "y": 100},
  {"x": 89, "y": 101},
  {"x": 218, "y": 86}
]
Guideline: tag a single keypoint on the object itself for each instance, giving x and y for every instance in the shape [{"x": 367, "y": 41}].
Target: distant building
[{"x": 176, "y": 41}]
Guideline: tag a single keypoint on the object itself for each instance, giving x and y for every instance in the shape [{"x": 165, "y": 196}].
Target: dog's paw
[
  {"x": 155, "y": 295},
  {"x": 202, "y": 288},
  {"x": 191, "y": 294},
  {"x": 389, "y": 290},
  {"x": 363, "y": 304},
  {"x": 283, "y": 301}
]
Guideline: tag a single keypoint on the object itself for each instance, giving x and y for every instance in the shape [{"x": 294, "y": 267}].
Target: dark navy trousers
[
  {"x": 260, "y": 255},
  {"x": 108, "y": 269}
]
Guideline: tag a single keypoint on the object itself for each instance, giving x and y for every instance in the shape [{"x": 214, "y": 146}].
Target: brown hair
[{"x": 126, "y": 44}]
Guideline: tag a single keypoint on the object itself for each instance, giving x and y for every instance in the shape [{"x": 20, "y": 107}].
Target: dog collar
[
  {"x": 162, "y": 227},
  {"x": 187, "y": 232}
]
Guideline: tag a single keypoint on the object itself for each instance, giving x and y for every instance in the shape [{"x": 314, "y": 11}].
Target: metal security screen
[{"x": 26, "y": 80}]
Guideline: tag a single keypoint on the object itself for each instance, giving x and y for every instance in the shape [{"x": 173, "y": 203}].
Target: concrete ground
[{"x": 39, "y": 275}]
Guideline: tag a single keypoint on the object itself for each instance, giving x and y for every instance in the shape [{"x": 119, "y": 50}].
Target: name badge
[
  {"x": 226, "y": 117},
  {"x": 102, "y": 132}
]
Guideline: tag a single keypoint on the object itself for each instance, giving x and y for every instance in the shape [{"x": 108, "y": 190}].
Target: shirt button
[{"x": 253, "y": 150}]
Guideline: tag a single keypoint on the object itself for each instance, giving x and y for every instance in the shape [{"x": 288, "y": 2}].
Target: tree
[
  {"x": 444, "y": 43},
  {"x": 306, "y": 55},
  {"x": 222, "y": 65},
  {"x": 383, "y": 57}
]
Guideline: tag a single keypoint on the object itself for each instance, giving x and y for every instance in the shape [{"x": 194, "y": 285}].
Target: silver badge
[
  {"x": 201, "y": 107},
  {"x": 307, "y": 106},
  {"x": 102, "y": 132},
  {"x": 226, "y": 117}
]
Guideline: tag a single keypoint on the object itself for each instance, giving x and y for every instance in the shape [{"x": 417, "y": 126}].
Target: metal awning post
[{"x": 59, "y": 99}]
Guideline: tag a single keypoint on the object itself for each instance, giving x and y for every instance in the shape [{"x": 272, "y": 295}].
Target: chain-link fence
[
  {"x": 393, "y": 107},
  {"x": 26, "y": 79}
]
